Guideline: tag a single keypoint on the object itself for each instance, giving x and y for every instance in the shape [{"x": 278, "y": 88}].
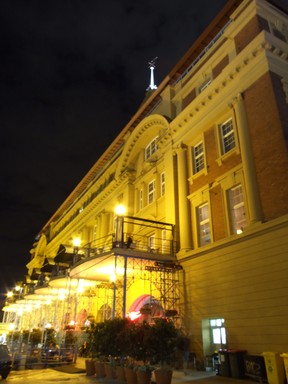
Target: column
[
  {"x": 249, "y": 170},
  {"x": 104, "y": 223},
  {"x": 185, "y": 229}
]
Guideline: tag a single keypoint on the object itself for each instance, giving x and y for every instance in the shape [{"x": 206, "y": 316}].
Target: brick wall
[
  {"x": 269, "y": 145},
  {"x": 251, "y": 30}
]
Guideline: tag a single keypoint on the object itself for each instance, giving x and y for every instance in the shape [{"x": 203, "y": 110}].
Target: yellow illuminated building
[{"x": 200, "y": 175}]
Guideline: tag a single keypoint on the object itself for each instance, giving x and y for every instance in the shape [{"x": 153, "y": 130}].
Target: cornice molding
[
  {"x": 152, "y": 121},
  {"x": 259, "y": 49}
]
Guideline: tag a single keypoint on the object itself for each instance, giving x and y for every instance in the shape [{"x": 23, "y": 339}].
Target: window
[
  {"x": 204, "y": 85},
  {"x": 279, "y": 29},
  {"x": 218, "y": 331},
  {"x": 151, "y": 243},
  {"x": 141, "y": 199},
  {"x": 237, "y": 209},
  {"x": 151, "y": 192},
  {"x": 151, "y": 148},
  {"x": 198, "y": 157},
  {"x": 203, "y": 222},
  {"x": 227, "y": 136},
  {"x": 165, "y": 243},
  {"x": 162, "y": 183},
  {"x": 94, "y": 233}
]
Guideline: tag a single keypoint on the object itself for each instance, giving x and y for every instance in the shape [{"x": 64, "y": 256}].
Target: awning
[
  {"x": 35, "y": 275},
  {"x": 47, "y": 267},
  {"x": 63, "y": 256},
  {"x": 36, "y": 262}
]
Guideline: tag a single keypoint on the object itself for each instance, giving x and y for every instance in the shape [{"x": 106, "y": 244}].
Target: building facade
[{"x": 201, "y": 172}]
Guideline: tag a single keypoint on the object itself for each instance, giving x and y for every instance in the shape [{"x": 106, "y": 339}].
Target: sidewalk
[{"x": 179, "y": 376}]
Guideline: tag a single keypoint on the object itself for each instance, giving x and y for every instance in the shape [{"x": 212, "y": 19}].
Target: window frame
[
  {"x": 234, "y": 224},
  {"x": 218, "y": 325},
  {"x": 151, "y": 192},
  {"x": 196, "y": 169},
  {"x": 203, "y": 224},
  {"x": 151, "y": 242},
  {"x": 204, "y": 85},
  {"x": 141, "y": 199},
  {"x": 162, "y": 184},
  {"x": 151, "y": 148},
  {"x": 279, "y": 29},
  {"x": 226, "y": 148}
]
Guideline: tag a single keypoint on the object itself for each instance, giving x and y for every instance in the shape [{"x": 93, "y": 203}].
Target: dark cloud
[{"x": 72, "y": 74}]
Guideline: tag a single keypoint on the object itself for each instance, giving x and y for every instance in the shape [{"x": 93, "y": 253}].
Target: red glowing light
[{"x": 134, "y": 315}]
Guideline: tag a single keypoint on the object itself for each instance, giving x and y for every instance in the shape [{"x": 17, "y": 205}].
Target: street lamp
[{"x": 120, "y": 210}]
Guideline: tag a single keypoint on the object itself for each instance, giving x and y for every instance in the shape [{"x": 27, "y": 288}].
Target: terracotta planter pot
[
  {"x": 131, "y": 377},
  {"x": 163, "y": 376},
  {"x": 90, "y": 368},
  {"x": 120, "y": 374},
  {"x": 143, "y": 377},
  {"x": 99, "y": 369},
  {"x": 110, "y": 371}
]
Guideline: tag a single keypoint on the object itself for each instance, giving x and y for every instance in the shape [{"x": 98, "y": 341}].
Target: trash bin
[
  {"x": 285, "y": 359},
  {"x": 224, "y": 362},
  {"x": 274, "y": 367},
  {"x": 255, "y": 368},
  {"x": 237, "y": 366}
]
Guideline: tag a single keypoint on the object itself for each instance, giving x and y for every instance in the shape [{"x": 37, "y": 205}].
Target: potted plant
[
  {"x": 162, "y": 340},
  {"x": 141, "y": 353},
  {"x": 127, "y": 341},
  {"x": 108, "y": 344},
  {"x": 89, "y": 351}
]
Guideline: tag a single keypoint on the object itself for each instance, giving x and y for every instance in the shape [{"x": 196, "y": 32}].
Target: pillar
[
  {"x": 249, "y": 170},
  {"x": 185, "y": 229}
]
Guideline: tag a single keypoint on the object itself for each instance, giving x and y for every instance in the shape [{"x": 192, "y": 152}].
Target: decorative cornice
[
  {"x": 157, "y": 121},
  {"x": 217, "y": 87}
]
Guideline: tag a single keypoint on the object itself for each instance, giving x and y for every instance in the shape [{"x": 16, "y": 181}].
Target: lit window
[
  {"x": 227, "y": 136},
  {"x": 151, "y": 243},
  {"x": 141, "y": 199},
  {"x": 218, "y": 331},
  {"x": 237, "y": 209},
  {"x": 151, "y": 148},
  {"x": 203, "y": 221},
  {"x": 151, "y": 192},
  {"x": 162, "y": 181},
  {"x": 198, "y": 157}
]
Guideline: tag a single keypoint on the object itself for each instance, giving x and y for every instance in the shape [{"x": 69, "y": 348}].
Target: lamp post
[{"x": 120, "y": 211}]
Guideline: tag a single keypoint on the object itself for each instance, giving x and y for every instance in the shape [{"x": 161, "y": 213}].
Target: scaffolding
[
  {"x": 165, "y": 287},
  {"x": 163, "y": 279}
]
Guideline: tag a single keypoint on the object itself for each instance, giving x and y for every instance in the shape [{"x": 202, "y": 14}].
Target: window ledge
[
  {"x": 220, "y": 160},
  {"x": 203, "y": 171}
]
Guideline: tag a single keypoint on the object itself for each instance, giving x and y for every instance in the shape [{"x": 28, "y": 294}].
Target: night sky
[{"x": 72, "y": 74}]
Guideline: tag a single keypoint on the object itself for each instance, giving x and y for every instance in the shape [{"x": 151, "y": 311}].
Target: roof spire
[{"x": 151, "y": 66}]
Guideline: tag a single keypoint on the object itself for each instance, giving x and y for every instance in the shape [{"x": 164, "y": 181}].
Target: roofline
[{"x": 203, "y": 40}]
